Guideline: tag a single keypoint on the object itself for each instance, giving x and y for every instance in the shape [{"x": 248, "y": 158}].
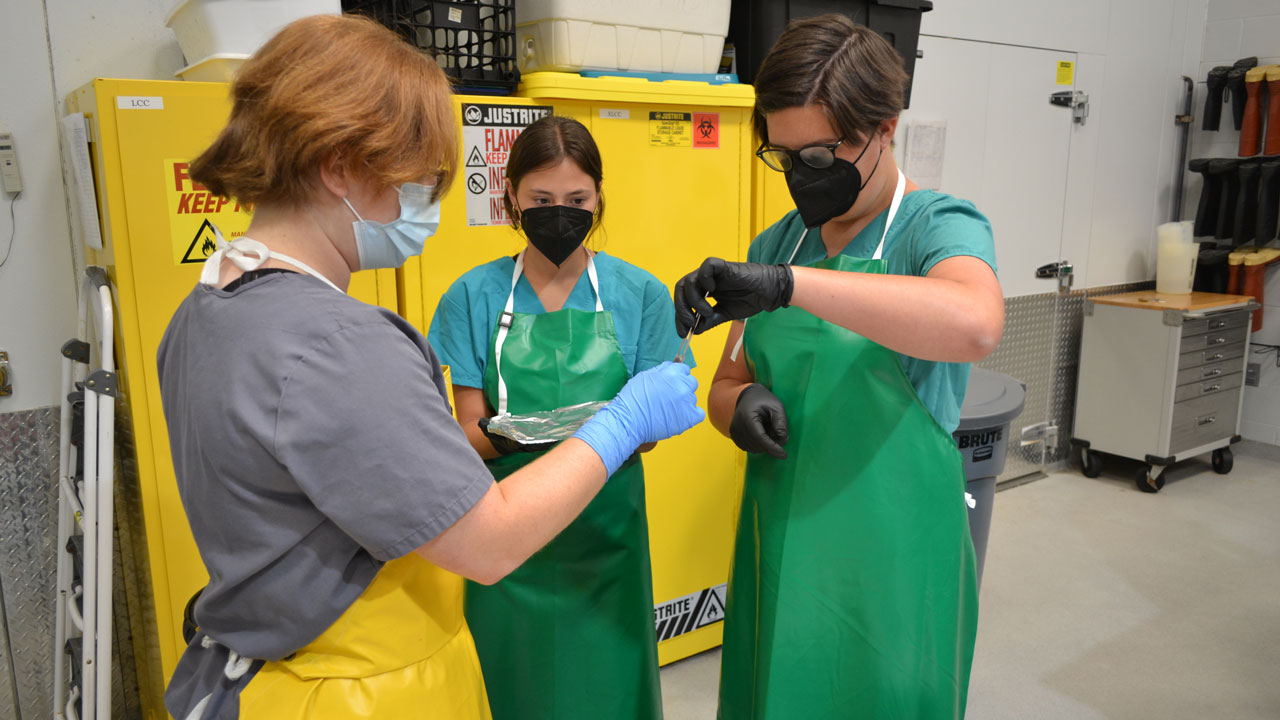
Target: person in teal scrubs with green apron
[
  {"x": 852, "y": 592},
  {"x": 571, "y": 633}
]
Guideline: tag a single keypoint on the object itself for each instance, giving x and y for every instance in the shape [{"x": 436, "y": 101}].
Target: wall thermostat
[{"x": 9, "y": 163}]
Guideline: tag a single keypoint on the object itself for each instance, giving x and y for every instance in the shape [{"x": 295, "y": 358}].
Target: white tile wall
[
  {"x": 1226, "y": 9},
  {"x": 1222, "y": 40}
]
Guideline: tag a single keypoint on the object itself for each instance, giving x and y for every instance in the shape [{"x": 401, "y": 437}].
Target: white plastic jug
[{"x": 1176, "y": 265}]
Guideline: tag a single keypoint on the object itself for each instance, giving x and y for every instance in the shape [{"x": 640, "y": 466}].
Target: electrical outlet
[{"x": 1251, "y": 373}]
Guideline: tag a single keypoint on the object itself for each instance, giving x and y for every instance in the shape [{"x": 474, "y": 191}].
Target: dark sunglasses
[{"x": 818, "y": 156}]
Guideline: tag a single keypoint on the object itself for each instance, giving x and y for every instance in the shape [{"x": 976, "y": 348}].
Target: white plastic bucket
[
  {"x": 219, "y": 29},
  {"x": 573, "y": 35}
]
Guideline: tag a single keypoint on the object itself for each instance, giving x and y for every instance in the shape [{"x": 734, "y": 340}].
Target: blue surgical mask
[{"x": 388, "y": 245}]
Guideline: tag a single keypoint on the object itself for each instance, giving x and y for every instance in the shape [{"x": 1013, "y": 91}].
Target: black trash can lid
[{"x": 993, "y": 399}]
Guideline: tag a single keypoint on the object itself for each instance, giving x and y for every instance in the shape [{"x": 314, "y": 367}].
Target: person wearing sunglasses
[{"x": 853, "y": 591}]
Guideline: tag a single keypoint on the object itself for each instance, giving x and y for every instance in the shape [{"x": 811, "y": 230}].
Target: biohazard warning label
[
  {"x": 686, "y": 614},
  {"x": 671, "y": 129},
  {"x": 706, "y": 130},
  {"x": 193, "y": 213},
  {"x": 487, "y": 134}
]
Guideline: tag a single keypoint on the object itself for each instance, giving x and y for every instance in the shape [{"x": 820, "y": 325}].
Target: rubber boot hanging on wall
[
  {"x": 1235, "y": 86},
  {"x": 1272, "y": 146},
  {"x": 1268, "y": 201},
  {"x": 1210, "y": 195},
  {"x": 1216, "y": 83},
  {"x": 1251, "y": 129},
  {"x": 1225, "y": 171},
  {"x": 1246, "y": 213}
]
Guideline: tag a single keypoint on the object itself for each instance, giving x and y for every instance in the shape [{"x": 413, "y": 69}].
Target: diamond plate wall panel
[
  {"x": 8, "y": 697},
  {"x": 1025, "y": 353},
  {"x": 28, "y": 534},
  {"x": 29, "y": 556}
]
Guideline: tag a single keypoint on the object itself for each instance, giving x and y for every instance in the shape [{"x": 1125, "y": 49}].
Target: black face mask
[
  {"x": 822, "y": 194},
  {"x": 556, "y": 230}
]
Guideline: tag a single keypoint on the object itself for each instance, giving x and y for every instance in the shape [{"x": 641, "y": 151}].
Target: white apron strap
[
  {"x": 508, "y": 316},
  {"x": 249, "y": 254},
  {"x": 893, "y": 212}
]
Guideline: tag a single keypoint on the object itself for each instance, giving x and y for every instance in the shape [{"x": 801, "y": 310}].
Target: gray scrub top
[{"x": 312, "y": 442}]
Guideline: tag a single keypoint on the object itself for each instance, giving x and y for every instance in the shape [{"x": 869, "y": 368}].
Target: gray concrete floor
[{"x": 1100, "y": 601}]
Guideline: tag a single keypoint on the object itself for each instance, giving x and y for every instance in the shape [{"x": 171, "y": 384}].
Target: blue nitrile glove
[{"x": 659, "y": 403}]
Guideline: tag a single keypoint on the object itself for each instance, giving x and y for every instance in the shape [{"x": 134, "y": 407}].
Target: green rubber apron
[
  {"x": 570, "y": 633},
  {"x": 852, "y": 593}
]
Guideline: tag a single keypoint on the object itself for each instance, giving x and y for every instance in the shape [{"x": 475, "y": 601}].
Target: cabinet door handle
[
  {"x": 1217, "y": 324},
  {"x": 1210, "y": 388},
  {"x": 1220, "y": 340},
  {"x": 1212, "y": 372},
  {"x": 1211, "y": 358},
  {"x": 1206, "y": 420}
]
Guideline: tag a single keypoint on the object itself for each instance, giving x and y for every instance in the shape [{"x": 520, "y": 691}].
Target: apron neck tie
[
  {"x": 508, "y": 316},
  {"x": 249, "y": 254}
]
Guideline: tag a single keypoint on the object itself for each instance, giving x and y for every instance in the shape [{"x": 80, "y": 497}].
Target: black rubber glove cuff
[
  {"x": 786, "y": 285},
  {"x": 503, "y": 444}
]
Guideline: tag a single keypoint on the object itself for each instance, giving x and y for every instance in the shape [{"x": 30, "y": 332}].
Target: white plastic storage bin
[
  {"x": 231, "y": 29},
  {"x": 573, "y": 35}
]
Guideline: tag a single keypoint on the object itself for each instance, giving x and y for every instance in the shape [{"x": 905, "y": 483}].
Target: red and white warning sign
[{"x": 487, "y": 134}]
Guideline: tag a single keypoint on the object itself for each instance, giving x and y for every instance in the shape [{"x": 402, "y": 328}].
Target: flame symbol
[{"x": 208, "y": 247}]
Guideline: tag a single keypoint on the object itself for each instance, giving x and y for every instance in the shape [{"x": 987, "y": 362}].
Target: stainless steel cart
[{"x": 1161, "y": 380}]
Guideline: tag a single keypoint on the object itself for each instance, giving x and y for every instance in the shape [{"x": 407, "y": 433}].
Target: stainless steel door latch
[
  {"x": 1062, "y": 270},
  {"x": 1077, "y": 100}
]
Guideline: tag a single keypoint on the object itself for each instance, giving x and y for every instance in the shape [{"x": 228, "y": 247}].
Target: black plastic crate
[
  {"x": 473, "y": 40},
  {"x": 754, "y": 25}
]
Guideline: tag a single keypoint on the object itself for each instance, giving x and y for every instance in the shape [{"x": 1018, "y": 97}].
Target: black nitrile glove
[
  {"x": 740, "y": 290},
  {"x": 505, "y": 445},
  {"x": 759, "y": 422}
]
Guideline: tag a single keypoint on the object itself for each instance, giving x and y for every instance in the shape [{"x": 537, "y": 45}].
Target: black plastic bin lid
[{"x": 993, "y": 399}]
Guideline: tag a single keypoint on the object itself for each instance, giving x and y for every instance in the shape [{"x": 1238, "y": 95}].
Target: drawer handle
[
  {"x": 1210, "y": 388},
  {"x": 1206, "y": 420},
  {"x": 1220, "y": 340},
  {"x": 1211, "y": 358},
  {"x": 1212, "y": 372},
  {"x": 1217, "y": 324}
]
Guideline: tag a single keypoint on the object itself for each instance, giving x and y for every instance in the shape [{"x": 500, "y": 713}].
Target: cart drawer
[
  {"x": 1203, "y": 420},
  {"x": 1217, "y": 338},
  {"x": 1196, "y": 358},
  {"x": 1201, "y": 388},
  {"x": 1223, "y": 321},
  {"x": 1208, "y": 372}
]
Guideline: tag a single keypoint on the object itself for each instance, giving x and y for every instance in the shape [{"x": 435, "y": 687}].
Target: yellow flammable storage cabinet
[
  {"x": 678, "y": 188},
  {"x": 156, "y": 229}
]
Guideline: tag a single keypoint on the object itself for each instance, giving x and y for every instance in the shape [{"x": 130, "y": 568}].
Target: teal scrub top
[
  {"x": 643, "y": 315},
  {"x": 929, "y": 228}
]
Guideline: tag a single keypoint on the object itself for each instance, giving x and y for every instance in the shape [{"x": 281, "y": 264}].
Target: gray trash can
[{"x": 991, "y": 403}]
